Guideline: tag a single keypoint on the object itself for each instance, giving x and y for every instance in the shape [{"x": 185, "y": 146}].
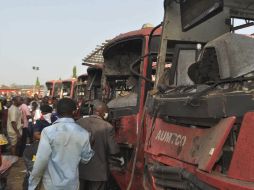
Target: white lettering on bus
[{"x": 171, "y": 138}]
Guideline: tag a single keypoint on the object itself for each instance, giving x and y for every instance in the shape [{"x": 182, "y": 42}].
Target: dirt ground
[{"x": 16, "y": 176}]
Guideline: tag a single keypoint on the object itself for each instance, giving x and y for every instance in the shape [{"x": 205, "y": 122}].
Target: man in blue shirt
[{"x": 62, "y": 146}]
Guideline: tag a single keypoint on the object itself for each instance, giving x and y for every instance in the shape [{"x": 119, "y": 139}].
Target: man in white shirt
[{"x": 14, "y": 126}]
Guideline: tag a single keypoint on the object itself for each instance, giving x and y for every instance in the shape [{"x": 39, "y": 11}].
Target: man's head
[
  {"x": 100, "y": 109},
  {"x": 17, "y": 101},
  {"x": 66, "y": 107},
  {"x": 45, "y": 100},
  {"x": 34, "y": 106},
  {"x": 45, "y": 109},
  {"x": 27, "y": 100}
]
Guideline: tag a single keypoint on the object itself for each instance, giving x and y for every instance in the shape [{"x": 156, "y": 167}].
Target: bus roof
[
  {"x": 70, "y": 80},
  {"x": 53, "y": 81}
]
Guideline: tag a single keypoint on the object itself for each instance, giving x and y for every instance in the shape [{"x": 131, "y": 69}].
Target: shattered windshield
[
  {"x": 66, "y": 89},
  {"x": 81, "y": 90},
  {"x": 57, "y": 89},
  {"x": 49, "y": 89},
  {"x": 122, "y": 84}
]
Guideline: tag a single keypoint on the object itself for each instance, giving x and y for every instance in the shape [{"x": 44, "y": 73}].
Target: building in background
[{"x": 27, "y": 90}]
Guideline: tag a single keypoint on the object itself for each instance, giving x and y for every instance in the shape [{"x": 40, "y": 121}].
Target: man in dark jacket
[{"x": 94, "y": 175}]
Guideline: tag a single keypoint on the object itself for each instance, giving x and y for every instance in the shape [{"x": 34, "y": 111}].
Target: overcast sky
[{"x": 55, "y": 35}]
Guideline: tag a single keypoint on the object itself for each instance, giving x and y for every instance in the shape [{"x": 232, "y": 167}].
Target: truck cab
[
  {"x": 199, "y": 113},
  {"x": 81, "y": 86},
  {"x": 54, "y": 88},
  {"x": 68, "y": 88},
  {"x": 125, "y": 94}
]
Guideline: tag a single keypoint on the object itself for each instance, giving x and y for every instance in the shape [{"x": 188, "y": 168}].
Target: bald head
[{"x": 100, "y": 109}]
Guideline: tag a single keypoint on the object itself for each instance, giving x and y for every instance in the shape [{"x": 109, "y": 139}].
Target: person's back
[
  {"x": 44, "y": 121},
  {"x": 41, "y": 124},
  {"x": 62, "y": 146},
  {"x": 67, "y": 140},
  {"x": 94, "y": 175},
  {"x": 103, "y": 144}
]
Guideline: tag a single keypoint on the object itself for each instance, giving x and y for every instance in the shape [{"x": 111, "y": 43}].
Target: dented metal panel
[
  {"x": 242, "y": 163},
  {"x": 127, "y": 100},
  {"x": 192, "y": 145},
  {"x": 211, "y": 145},
  {"x": 172, "y": 28},
  {"x": 235, "y": 54}
]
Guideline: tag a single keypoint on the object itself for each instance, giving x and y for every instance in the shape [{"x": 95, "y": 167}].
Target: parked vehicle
[
  {"x": 68, "y": 88},
  {"x": 200, "y": 112},
  {"x": 81, "y": 87},
  {"x": 54, "y": 88},
  {"x": 125, "y": 94}
]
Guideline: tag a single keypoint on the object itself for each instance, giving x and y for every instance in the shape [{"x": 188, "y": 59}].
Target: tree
[
  {"x": 37, "y": 83},
  {"x": 74, "y": 72}
]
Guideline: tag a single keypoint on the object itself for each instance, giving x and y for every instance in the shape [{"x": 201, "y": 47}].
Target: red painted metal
[
  {"x": 212, "y": 143},
  {"x": 223, "y": 182},
  {"x": 136, "y": 33},
  {"x": 172, "y": 140},
  {"x": 128, "y": 126},
  {"x": 164, "y": 159},
  {"x": 196, "y": 150},
  {"x": 53, "y": 83},
  {"x": 242, "y": 164},
  {"x": 191, "y": 145},
  {"x": 215, "y": 179},
  {"x": 126, "y": 130},
  {"x": 196, "y": 156}
]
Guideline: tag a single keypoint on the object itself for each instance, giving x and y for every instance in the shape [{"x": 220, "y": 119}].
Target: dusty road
[{"x": 16, "y": 176}]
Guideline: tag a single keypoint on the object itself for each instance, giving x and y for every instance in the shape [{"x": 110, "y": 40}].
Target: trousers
[{"x": 92, "y": 185}]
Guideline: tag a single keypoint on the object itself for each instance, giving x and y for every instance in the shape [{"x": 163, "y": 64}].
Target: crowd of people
[
  {"x": 60, "y": 151},
  {"x": 21, "y": 117}
]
